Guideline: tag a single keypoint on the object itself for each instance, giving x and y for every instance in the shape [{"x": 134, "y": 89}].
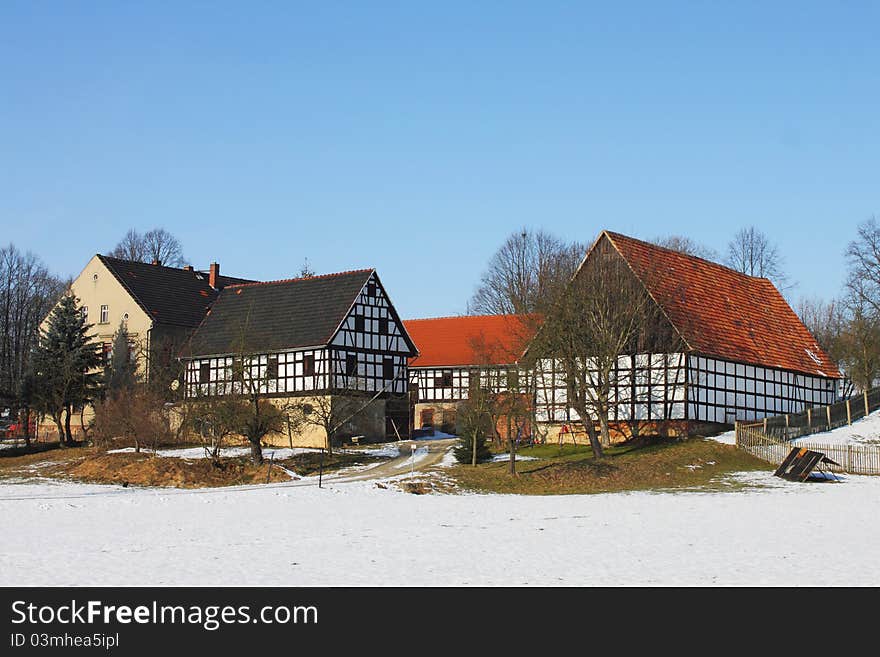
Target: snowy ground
[
  {"x": 781, "y": 533},
  {"x": 865, "y": 431},
  {"x": 861, "y": 432}
]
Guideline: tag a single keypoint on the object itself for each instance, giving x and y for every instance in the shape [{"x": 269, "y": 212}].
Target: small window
[
  {"x": 351, "y": 364},
  {"x": 105, "y": 314},
  {"x": 359, "y": 323},
  {"x": 272, "y": 367},
  {"x": 371, "y": 289},
  {"x": 204, "y": 372},
  {"x": 309, "y": 365},
  {"x": 383, "y": 326},
  {"x": 388, "y": 369},
  {"x": 84, "y": 311},
  {"x": 443, "y": 381}
]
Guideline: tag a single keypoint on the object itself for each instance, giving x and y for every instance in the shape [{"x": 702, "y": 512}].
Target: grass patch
[
  {"x": 309, "y": 463},
  {"x": 693, "y": 464}
]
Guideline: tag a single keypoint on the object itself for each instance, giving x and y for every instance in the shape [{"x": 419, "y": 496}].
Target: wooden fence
[
  {"x": 853, "y": 459},
  {"x": 821, "y": 418}
]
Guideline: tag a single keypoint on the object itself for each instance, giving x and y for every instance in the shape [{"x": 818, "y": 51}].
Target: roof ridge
[
  {"x": 428, "y": 319},
  {"x": 612, "y": 234},
  {"x": 301, "y": 278}
]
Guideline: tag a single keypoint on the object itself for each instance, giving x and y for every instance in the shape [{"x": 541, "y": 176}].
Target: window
[
  {"x": 371, "y": 289},
  {"x": 84, "y": 311},
  {"x": 443, "y": 381},
  {"x": 388, "y": 369},
  {"x": 237, "y": 370},
  {"x": 204, "y": 372},
  {"x": 106, "y": 351},
  {"x": 309, "y": 365},
  {"x": 105, "y": 314},
  {"x": 351, "y": 364},
  {"x": 272, "y": 367},
  {"x": 359, "y": 323},
  {"x": 383, "y": 325},
  {"x": 132, "y": 351}
]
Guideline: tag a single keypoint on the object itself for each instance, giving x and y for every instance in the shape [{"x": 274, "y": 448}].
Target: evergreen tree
[
  {"x": 121, "y": 372},
  {"x": 64, "y": 364},
  {"x": 474, "y": 424},
  {"x": 464, "y": 449}
]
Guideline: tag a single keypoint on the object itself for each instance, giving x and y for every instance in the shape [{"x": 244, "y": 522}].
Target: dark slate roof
[
  {"x": 276, "y": 315},
  {"x": 167, "y": 294}
]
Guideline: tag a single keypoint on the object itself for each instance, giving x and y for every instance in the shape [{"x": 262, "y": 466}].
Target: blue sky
[{"x": 414, "y": 137}]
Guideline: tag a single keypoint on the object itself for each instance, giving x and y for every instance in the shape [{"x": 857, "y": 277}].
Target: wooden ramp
[{"x": 800, "y": 463}]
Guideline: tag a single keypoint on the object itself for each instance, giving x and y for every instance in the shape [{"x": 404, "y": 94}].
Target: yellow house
[{"x": 160, "y": 306}]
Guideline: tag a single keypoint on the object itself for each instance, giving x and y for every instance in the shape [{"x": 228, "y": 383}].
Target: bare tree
[
  {"x": 525, "y": 274},
  {"x": 27, "y": 293},
  {"x": 751, "y": 252},
  {"x": 604, "y": 315},
  {"x": 858, "y": 346},
  {"x": 688, "y": 246},
  {"x": 156, "y": 245},
  {"x": 163, "y": 248},
  {"x": 863, "y": 259},
  {"x": 131, "y": 247},
  {"x": 502, "y": 393},
  {"x": 825, "y": 321}
]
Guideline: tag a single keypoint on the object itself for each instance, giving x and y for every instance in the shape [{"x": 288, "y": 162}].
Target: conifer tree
[
  {"x": 64, "y": 365},
  {"x": 121, "y": 372}
]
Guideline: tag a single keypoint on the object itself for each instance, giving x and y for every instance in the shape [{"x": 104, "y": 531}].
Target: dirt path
[{"x": 428, "y": 453}]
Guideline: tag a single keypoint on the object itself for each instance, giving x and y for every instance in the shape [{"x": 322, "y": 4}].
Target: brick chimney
[
  {"x": 213, "y": 275},
  {"x": 188, "y": 268}
]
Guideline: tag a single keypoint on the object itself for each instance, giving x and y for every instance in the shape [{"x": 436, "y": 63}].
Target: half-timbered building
[
  {"x": 738, "y": 351},
  {"x": 330, "y": 336},
  {"x": 457, "y": 353}
]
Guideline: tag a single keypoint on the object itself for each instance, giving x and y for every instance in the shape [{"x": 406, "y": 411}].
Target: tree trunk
[
  {"x": 511, "y": 446},
  {"x": 68, "y": 435},
  {"x": 56, "y": 417},
  {"x": 27, "y": 427},
  {"x": 474, "y": 449},
  {"x": 594, "y": 439},
  {"x": 603, "y": 427},
  {"x": 256, "y": 452}
]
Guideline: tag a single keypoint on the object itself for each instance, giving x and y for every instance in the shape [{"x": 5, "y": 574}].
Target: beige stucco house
[{"x": 160, "y": 306}]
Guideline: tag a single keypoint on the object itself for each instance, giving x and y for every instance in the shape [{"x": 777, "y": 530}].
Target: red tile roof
[
  {"x": 721, "y": 312},
  {"x": 468, "y": 340}
]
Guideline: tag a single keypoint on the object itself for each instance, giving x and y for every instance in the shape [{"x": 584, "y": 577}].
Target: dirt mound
[{"x": 148, "y": 470}]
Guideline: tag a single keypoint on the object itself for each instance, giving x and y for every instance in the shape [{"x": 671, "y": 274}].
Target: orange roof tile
[
  {"x": 468, "y": 340},
  {"x": 721, "y": 312}
]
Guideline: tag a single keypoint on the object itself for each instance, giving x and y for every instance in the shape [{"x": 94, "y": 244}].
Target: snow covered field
[
  {"x": 358, "y": 534},
  {"x": 865, "y": 431},
  {"x": 861, "y": 432}
]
